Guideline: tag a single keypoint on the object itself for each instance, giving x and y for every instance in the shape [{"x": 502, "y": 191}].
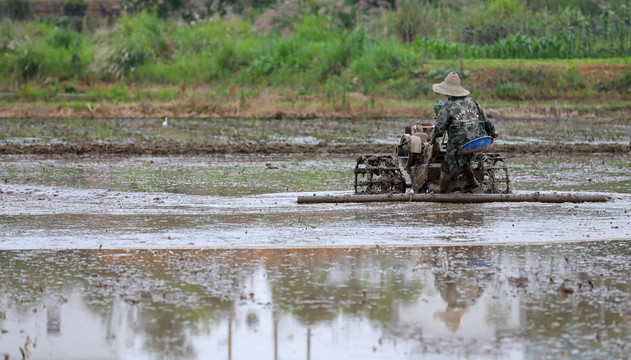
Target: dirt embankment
[
  {"x": 300, "y": 107},
  {"x": 261, "y": 107},
  {"x": 173, "y": 148}
]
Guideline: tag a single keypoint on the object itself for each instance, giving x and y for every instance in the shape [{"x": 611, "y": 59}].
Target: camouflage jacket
[{"x": 464, "y": 120}]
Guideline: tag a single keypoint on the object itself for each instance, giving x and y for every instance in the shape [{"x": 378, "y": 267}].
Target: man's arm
[
  {"x": 442, "y": 123},
  {"x": 488, "y": 126}
]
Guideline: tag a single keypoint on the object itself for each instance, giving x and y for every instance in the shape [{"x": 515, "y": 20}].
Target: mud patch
[
  {"x": 159, "y": 149},
  {"x": 203, "y": 136},
  {"x": 251, "y": 200}
]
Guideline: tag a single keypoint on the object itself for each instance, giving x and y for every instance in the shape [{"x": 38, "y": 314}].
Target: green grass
[{"x": 152, "y": 54}]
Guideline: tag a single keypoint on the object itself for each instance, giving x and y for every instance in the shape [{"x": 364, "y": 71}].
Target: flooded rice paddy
[
  {"x": 595, "y": 130},
  {"x": 186, "y": 257},
  {"x": 191, "y": 257},
  {"x": 249, "y": 201},
  {"x": 475, "y": 302}
]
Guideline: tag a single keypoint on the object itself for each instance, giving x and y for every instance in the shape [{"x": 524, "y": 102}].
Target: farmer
[{"x": 464, "y": 120}]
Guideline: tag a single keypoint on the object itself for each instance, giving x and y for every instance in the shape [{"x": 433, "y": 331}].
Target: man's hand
[
  {"x": 495, "y": 135},
  {"x": 435, "y": 148}
]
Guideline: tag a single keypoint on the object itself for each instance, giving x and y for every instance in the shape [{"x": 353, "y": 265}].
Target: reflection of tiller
[{"x": 381, "y": 173}]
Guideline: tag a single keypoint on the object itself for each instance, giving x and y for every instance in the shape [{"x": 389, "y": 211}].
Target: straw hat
[{"x": 451, "y": 86}]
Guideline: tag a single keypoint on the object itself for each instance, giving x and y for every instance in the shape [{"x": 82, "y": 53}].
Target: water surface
[{"x": 510, "y": 302}]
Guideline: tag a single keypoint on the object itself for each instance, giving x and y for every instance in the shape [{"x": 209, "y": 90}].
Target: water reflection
[
  {"x": 461, "y": 290},
  {"x": 449, "y": 302}
]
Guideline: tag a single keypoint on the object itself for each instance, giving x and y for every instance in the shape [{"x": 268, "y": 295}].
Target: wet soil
[
  {"x": 177, "y": 148},
  {"x": 289, "y": 136},
  {"x": 180, "y": 249},
  {"x": 251, "y": 200}
]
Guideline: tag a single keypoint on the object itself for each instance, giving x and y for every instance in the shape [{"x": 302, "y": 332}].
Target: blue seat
[{"x": 476, "y": 145}]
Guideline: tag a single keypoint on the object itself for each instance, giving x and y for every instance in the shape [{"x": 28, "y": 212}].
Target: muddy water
[
  {"x": 93, "y": 219},
  {"x": 244, "y": 272},
  {"x": 509, "y": 302},
  {"x": 566, "y": 131},
  {"x": 178, "y": 202}
]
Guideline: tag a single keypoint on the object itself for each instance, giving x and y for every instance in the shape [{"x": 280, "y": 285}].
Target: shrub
[
  {"x": 30, "y": 92},
  {"x": 63, "y": 38},
  {"x": 623, "y": 85},
  {"x": 116, "y": 92},
  {"x": 380, "y": 61},
  {"x": 508, "y": 91},
  {"x": 127, "y": 58},
  {"x": 45, "y": 51},
  {"x": 136, "y": 41},
  {"x": 9, "y": 31},
  {"x": 409, "y": 88},
  {"x": 28, "y": 63}
]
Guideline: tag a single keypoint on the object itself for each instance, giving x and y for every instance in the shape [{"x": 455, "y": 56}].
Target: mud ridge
[
  {"x": 175, "y": 148},
  {"x": 272, "y": 107}
]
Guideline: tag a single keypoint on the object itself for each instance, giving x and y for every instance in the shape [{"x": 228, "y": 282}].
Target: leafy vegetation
[{"x": 316, "y": 47}]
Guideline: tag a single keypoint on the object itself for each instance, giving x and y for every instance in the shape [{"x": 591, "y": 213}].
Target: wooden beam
[{"x": 457, "y": 198}]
